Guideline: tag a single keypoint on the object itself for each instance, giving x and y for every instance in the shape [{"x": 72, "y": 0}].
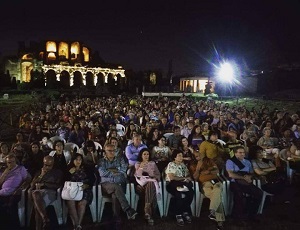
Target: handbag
[{"x": 72, "y": 191}]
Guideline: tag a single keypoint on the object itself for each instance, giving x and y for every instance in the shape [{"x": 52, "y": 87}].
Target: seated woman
[
  {"x": 179, "y": 182},
  {"x": 35, "y": 158},
  {"x": 205, "y": 171},
  {"x": 147, "y": 186},
  {"x": 78, "y": 173},
  {"x": 270, "y": 145},
  {"x": 90, "y": 154},
  {"x": 161, "y": 153},
  {"x": 196, "y": 138},
  {"x": 266, "y": 170},
  {"x": 186, "y": 150},
  {"x": 292, "y": 154}
]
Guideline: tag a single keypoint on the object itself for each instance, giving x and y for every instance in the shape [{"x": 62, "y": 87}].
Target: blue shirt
[{"x": 231, "y": 166}]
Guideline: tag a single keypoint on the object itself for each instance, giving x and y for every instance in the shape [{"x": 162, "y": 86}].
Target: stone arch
[
  {"x": 100, "y": 79},
  {"x": 64, "y": 79},
  {"x": 89, "y": 79},
  {"x": 78, "y": 79},
  {"x": 50, "y": 78}
]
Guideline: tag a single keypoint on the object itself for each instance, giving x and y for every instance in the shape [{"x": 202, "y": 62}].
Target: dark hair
[
  {"x": 160, "y": 136},
  {"x": 35, "y": 143},
  {"x": 71, "y": 164},
  {"x": 235, "y": 149},
  {"x": 212, "y": 133},
  {"x": 58, "y": 141},
  {"x": 89, "y": 143},
  {"x": 253, "y": 151},
  {"x": 180, "y": 145},
  {"x": 175, "y": 153},
  {"x": 140, "y": 158}
]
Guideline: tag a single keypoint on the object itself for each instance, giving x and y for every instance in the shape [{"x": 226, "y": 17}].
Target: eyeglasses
[{"x": 109, "y": 150}]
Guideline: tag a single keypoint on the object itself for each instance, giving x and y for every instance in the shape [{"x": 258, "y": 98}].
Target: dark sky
[{"x": 146, "y": 34}]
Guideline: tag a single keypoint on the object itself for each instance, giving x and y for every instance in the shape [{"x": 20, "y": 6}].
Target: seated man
[
  {"x": 112, "y": 171},
  {"x": 240, "y": 172},
  {"x": 43, "y": 190},
  {"x": 12, "y": 180}
]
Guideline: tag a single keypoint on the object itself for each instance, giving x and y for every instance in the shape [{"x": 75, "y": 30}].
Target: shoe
[
  {"x": 131, "y": 213},
  {"x": 78, "y": 227},
  {"x": 220, "y": 225},
  {"x": 212, "y": 216},
  {"x": 150, "y": 221},
  {"x": 179, "y": 220},
  {"x": 187, "y": 217}
]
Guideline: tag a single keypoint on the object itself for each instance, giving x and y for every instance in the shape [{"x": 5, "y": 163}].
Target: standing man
[{"x": 112, "y": 171}]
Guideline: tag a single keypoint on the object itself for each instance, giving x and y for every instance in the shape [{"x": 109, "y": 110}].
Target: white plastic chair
[
  {"x": 98, "y": 146},
  {"x": 200, "y": 196},
  {"x": 57, "y": 204},
  {"x": 135, "y": 199},
  {"x": 167, "y": 198},
  {"x": 167, "y": 135},
  {"x": 289, "y": 172},
  {"x": 70, "y": 146},
  {"x": 93, "y": 206},
  {"x": 22, "y": 208},
  {"x": 55, "y": 138},
  {"x": 265, "y": 194},
  {"x": 120, "y": 129},
  {"x": 102, "y": 199}
]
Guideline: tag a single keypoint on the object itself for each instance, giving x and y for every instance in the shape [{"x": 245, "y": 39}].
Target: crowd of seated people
[{"x": 169, "y": 129}]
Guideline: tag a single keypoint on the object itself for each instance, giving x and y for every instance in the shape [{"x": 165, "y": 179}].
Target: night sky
[{"x": 147, "y": 34}]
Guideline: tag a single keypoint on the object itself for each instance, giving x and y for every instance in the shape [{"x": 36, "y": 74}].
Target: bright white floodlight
[{"x": 226, "y": 72}]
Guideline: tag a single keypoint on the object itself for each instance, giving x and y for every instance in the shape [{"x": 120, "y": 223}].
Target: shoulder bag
[{"x": 72, "y": 191}]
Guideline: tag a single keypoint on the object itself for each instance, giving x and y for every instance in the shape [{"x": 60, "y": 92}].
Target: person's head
[
  {"x": 48, "y": 162},
  {"x": 35, "y": 147},
  {"x": 137, "y": 140},
  {"x": 76, "y": 161},
  {"x": 232, "y": 135},
  {"x": 114, "y": 141},
  {"x": 89, "y": 146},
  {"x": 4, "y": 148},
  {"x": 255, "y": 152},
  {"x": 212, "y": 136},
  {"x": 11, "y": 161},
  {"x": 177, "y": 156},
  {"x": 161, "y": 140},
  {"x": 190, "y": 124},
  {"x": 267, "y": 131},
  {"x": 205, "y": 126},
  {"x": 183, "y": 141},
  {"x": 196, "y": 130},
  {"x": 109, "y": 151},
  {"x": 76, "y": 125},
  {"x": 144, "y": 155},
  {"x": 176, "y": 130},
  {"x": 19, "y": 136},
  {"x": 239, "y": 152},
  {"x": 59, "y": 145}
]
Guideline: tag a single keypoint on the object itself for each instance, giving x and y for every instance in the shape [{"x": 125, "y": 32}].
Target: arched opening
[
  {"x": 100, "y": 79},
  {"x": 65, "y": 79},
  {"x": 77, "y": 79},
  {"x": 51, "y": 79},
  {"x": 89, "y": 79}
]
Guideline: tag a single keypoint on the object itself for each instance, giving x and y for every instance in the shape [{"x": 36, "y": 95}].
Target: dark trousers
[
  {"x": 182, "y": 203},
  {"x": 9, "y": 211},
  {"x": 250, "y": 207}
]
